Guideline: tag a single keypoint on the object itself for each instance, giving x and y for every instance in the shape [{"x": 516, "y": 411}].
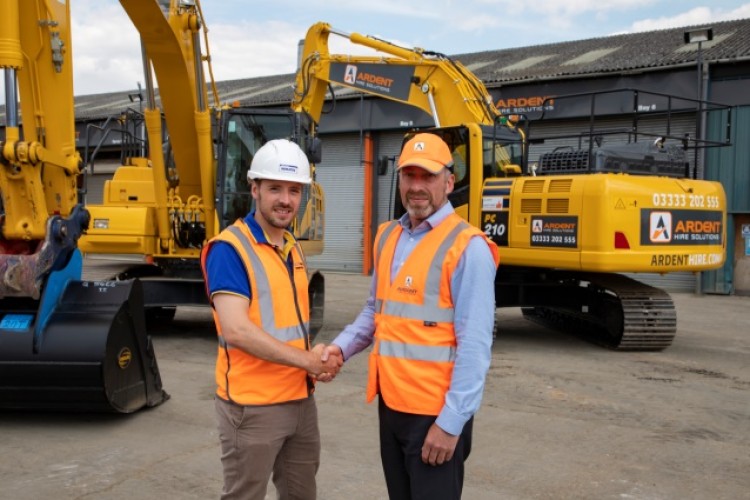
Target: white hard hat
[{"x": 281, "y": 160}]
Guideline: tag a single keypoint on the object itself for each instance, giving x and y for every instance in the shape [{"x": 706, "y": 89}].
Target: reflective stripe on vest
[
  {"x": 417, "y": 352},
  {"x": 430, "y": 310},
  {"x": 411, "y": 363},
  {"x": 263, "y": 295}
]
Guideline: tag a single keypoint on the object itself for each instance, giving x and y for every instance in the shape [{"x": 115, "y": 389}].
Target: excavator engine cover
[{"x": 91, "y": 353}]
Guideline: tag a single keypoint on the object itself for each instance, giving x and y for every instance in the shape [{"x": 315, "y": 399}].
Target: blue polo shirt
[{"x": 225, "y": 272}]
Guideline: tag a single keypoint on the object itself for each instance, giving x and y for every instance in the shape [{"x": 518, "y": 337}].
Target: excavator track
[{"x": 621, "y": 313}]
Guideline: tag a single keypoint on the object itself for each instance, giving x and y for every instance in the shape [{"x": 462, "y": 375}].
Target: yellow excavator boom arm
[{"x": 427, "y": 80}]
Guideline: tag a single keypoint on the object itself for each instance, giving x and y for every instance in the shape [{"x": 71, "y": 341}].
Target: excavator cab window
[
  {"x": 243, "y": 133},
  {"x": 501, "y": 155}
]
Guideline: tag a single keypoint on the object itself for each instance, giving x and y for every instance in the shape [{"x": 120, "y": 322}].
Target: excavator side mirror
[
  {"x": 383, "y": 165},
  {"x": 315, "y": 150}
]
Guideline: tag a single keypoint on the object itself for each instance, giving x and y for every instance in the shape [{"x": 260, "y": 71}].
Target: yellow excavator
[
  {"x": 73, "y": 344},
  {"x": 65, "y": 343},
  {"x": 569, "y": 227},
  {"x": 192, "y": 183}
]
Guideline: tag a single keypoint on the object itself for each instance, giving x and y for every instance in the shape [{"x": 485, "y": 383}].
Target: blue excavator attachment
[{"x": 81, "y": 346}]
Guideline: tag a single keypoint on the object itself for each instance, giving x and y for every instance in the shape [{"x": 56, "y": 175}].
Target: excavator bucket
[{"x": 84, "y": 348}]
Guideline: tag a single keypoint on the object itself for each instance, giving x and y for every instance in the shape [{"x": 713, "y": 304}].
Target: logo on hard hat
[{"x": 288, "y": 169}]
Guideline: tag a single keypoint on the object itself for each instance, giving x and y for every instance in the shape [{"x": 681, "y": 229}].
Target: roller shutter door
[{"x": 341, "y": 173}]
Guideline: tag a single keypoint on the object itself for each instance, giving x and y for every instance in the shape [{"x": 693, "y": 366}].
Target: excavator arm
[
  {"x": 65, "y": 344},
  {"x": 428, "y": 80},
  {"x": 483, "y": 142},
  {"x": 41, "y": 218}
]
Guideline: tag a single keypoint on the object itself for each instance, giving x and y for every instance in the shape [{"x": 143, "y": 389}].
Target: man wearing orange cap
[{"x": 429, "y": 318}]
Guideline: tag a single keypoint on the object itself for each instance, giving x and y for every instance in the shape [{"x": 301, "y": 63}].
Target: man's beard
[
  {"x": 426, "y": 208},
  {"x": 272, "y": 219}
]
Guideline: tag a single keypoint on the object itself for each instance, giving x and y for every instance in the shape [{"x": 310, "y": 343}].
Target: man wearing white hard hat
[{"x": 256, "y": 280}]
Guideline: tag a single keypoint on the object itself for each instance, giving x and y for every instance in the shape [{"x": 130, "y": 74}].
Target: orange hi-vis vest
[
  {"x": 411, "y": 363},
  {"x": 280, "y": 306}
]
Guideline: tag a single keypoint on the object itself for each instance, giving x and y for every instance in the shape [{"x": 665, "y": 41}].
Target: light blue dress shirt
[{"x": 473, "y": 292}]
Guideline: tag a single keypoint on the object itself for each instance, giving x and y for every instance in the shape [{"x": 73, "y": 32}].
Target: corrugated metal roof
[
  {"x": 645, "y": 51},
  {"x": 650, "y": 50}
]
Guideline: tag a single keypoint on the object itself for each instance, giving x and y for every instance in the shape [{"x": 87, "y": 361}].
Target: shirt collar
[
  {"x": 430, "y": 222},
  {"x": 260, "y": 235}
]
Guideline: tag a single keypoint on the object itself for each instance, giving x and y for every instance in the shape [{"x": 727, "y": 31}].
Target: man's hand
[
  {"x": 438, "y": 446},
  {"x": 332, "y": 353},
  {"x": 329, "y": 358}
]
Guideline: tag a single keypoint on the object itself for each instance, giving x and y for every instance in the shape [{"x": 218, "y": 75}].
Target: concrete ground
[{"x": 561, "y": 419}]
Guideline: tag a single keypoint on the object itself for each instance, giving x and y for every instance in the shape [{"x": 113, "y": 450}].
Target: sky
[{"x": 247, "y": 40}]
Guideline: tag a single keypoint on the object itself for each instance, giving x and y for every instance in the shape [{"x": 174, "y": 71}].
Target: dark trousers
[{"x": 407, "y": 477}]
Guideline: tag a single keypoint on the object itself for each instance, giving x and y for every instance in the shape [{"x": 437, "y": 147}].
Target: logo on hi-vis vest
[
  {"x": 660, "y": 227},
  {"x": 407, "y": 288}
]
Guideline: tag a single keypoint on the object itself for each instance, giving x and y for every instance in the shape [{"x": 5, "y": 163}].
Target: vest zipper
[{"x": 290, "y": 272}]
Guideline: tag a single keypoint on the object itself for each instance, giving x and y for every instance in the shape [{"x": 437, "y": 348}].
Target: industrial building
[{"x": 362, "y": 134}]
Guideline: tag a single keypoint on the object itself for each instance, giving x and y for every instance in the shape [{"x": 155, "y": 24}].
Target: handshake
[{"x": 326, "y": 362}]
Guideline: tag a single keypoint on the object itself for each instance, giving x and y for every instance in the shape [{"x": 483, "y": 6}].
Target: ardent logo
[
  {"x": 698, "y": 226},
  {"x": 407, "y": 288},
  {"x": 536, "y": 226},
  {"x": 660, "y": 227},
  {"x": 524, "y": 102},
  {"x": 350, "y": 74}
]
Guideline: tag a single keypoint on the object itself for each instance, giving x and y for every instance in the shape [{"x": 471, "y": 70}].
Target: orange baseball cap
[{"x": 427, "y": 151}]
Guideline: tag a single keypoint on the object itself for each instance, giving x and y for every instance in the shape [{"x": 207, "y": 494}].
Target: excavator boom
[{"x": 427, "y": 80}]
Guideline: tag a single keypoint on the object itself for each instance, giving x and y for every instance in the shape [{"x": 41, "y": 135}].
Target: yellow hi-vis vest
[
  {"x": 280, "y": 306},
  {"x": 411, "y": 363}
]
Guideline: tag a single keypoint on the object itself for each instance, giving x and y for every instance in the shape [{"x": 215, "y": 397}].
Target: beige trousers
[{"x": 256, "y": 441}]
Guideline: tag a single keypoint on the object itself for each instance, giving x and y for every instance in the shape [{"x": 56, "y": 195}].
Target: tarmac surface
[{"x": 560, "y": 419}]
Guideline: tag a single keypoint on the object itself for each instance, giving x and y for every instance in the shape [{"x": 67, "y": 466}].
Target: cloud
[
  {"x": 106, "y": 48},
  {"x": 696, "y": 16},
  {"x": 249, "y": 43}
]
